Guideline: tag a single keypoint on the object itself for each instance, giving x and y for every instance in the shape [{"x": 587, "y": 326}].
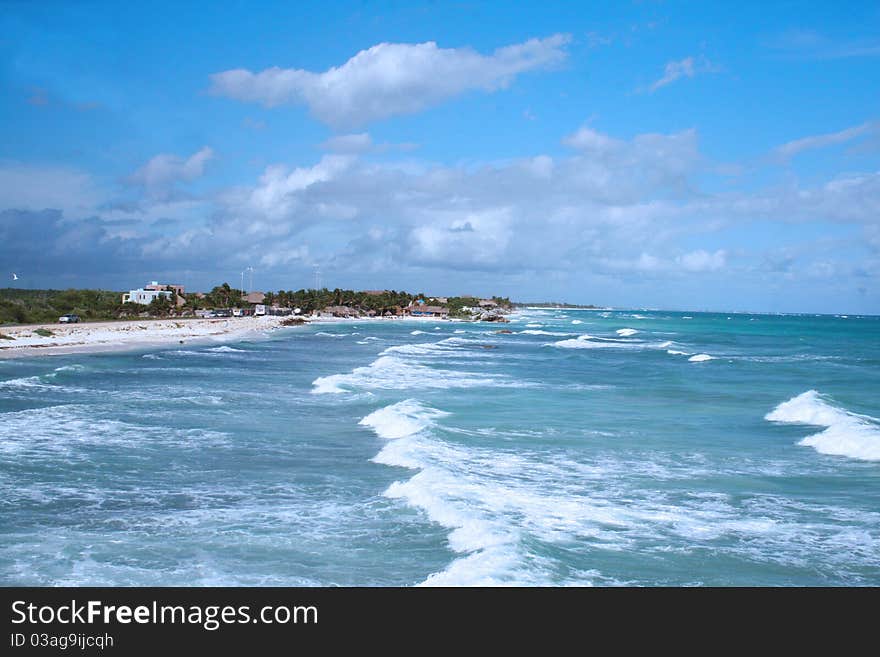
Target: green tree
[{"x": 161, "y": 306}]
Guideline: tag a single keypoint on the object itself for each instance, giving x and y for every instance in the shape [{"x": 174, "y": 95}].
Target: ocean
[{"x": 582, "y": 448}]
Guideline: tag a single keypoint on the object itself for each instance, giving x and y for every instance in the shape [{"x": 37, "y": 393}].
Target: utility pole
[{"x": 317, "y": 277}]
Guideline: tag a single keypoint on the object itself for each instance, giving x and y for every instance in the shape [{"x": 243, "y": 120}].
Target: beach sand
[
  {"x": 88, "y": 337},
  {"x": 93, "y": 337}
]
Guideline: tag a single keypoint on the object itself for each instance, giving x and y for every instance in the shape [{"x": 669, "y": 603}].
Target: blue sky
[{"x": 647, "y": 154}]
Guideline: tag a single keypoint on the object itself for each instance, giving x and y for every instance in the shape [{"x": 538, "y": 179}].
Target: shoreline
[
  {"x": 127, "y": 335},
  {"x": 131, "y": 335}
]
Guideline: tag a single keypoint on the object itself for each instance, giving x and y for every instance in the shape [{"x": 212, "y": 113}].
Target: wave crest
[{"x": 846, "y": 433}]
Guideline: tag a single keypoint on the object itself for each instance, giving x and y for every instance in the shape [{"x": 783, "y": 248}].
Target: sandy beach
[
  {"x": 121, "y": 335},
  {"x": 93, "y": 337}
]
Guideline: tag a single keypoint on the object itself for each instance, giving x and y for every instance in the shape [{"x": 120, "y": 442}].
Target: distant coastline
[{"x": 561, "y": 306}]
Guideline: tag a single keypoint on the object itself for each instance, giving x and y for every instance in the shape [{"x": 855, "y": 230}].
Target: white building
[{"x": 146, "y": 295}]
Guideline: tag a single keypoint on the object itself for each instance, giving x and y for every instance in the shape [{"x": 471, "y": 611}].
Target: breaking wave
[
  {"x": 538, "y": 332},
  {"x": 391, "y": 371},
  {"x": 594, "y": 342},
  {"x": 846, "y": 433}
]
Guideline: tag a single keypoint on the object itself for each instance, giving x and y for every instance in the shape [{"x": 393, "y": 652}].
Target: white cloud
[
  {"x": 299, "y": 254},
  {"x": 646, "y": 263},
  {"x": 390, "y": 79},
  {"x": 165, "y": 170},
  {"x": 621, "y": 212},
  {"x": 538, "y": 212},
  {"x": 620, "y": 207},
  {"x": 848, "y": 198},
  {"x": 588, "y": 139},
  {"x": 355, "y": 143},
  {"x": 650, "y": 160},
  {"x": 684, "y": 68},
  {"x": 279, "y": 192},
  {"x": 452, "y": 238},
  {"x": 797, "y": 146},
  {"x": 702, "y": 261},
  {"x": 359, "y": 143},
  {"x": 28, "y": 187}
]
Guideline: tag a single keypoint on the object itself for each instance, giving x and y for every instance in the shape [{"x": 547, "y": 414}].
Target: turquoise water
[{"x": 585, "y": 447}]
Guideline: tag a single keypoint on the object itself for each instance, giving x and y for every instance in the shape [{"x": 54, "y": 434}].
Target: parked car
[{"x": 68, "y": 319}]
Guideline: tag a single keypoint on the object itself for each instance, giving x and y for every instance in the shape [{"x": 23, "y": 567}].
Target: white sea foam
[
  {"x": 540, "y": 332},
  {"x": 34, "y": 383},
  {"x": 401, "y": 419},
  {"x": 594, "y": 342},
  {"x": 459, "y": 331},
  {"x": 324, "y": 334},
  {"x": 576, "y": 343},
  {"x": 534, "y": 325},
  {"x": 846, "y": 433},
  {"x": 417, "y": 332},
  {"x": 227, "y": 350},
  {"x": 453, "y": 347},
  {"x": 576, "y": 321},
  {"x": 497, "y": 503},
  {"x": 70, "y": 368},
  {"x": 24, "y": 382},
  {"x": 393, "y": 373},
  {"x": 73, "y": 430},
  {"x": 494, "y": 501},
  {"x": 451, "y": 497},
  {"x": 674, "y": 352},
  {"x": 626, "y": 332},
  {"x": 700, "y": 358}
]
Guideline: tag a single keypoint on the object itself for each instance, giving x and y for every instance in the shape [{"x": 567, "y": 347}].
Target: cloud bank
[
  {"x": 390, "y": 79},
  {"x": 611, "y": 214}
]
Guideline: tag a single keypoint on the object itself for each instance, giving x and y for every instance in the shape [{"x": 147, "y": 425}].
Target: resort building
[
  {"x": 429, "y": 311},
  {"x": 339, "y": 311},
  {"x": 148, "y": 293}
]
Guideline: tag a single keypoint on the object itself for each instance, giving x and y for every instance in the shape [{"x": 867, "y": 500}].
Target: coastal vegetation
[
  {"x": 308, "y": 301},
  {"x": 40, "y": 306},
  {"x": 18, "y": 306}
]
